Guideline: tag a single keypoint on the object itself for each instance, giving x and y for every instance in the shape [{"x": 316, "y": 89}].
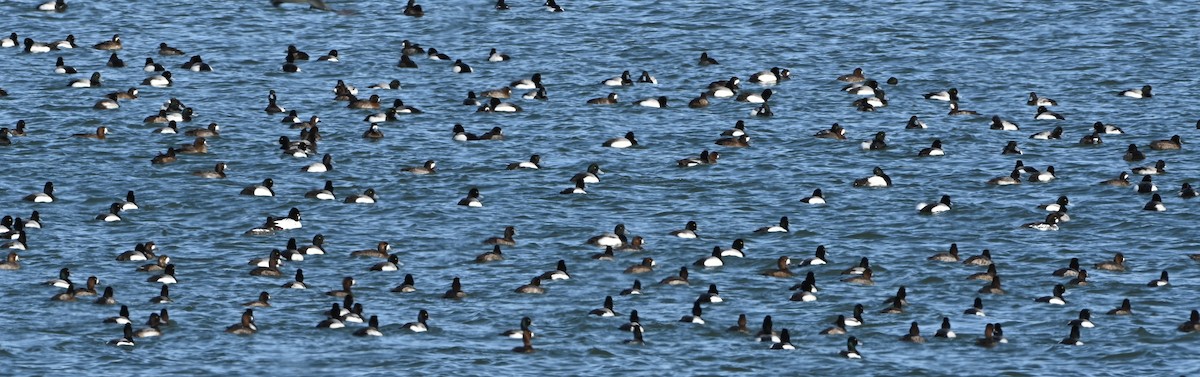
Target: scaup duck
[
  {"x": 11, "y": 262},
  {"x": 1054, "y": 134},
  {"x": 699, "y": 102},
  {"x": 615, "y": 239},
  {"x": 324, "y": 193},
  {"x": 526, "y": 323},
  {"x": 635, "y": 289},
  {"x": 1045, "y": 114},
  {"x": 472, "y": 199},
  {"x": 368, "y": 197},
  {"x": 1158, "y": 168},
  {"x": 950, "y": 95},
  {"x": 610, "y": 99},
  {"x": 914, "y": 333},
  {"x": 455, "y": 291},
  {"x": 1186, "y": 192},
  {"x": 113, "y": 214},
  {"x": 264, "y": 189},
  {"x": 115, "y": 61},
  {"x": 679, "y": 279},
  {"x": 552, "y": 6},
  {"x": 392, "y": 264},
  {"x": 695, "y": 317},
  {"x": 1013, "y": 178},
  {"x": 735, "y": 250},
  {"x": 381, "y": 250},
  {"x": 125, "y": 340},
  {"x": 688, "y": 231},
  {"x": 1124, "y": 309},
  {"x": 993, "y": 287},
  {"x": 1174, "y": 143},
  {"x": 955, "y": 110},
  {"x": 607, "y": 310},
  {"x": 408, "y": 286},
  {"x": 1122, "y": 180},
  {"x": 948, "y": 256},
  {"x": 1003, "y": 125},
  {"x": 1071, "y": 270},
  {"x": 647, "y": 265},
  {"x": 625, "y": 79},
  {"x": 818, "y": 259},
  {"x": 942, "y": 205},
  {"x": 833, "y": 132},
  {"x": 151, "y": 66},
  {"x": 61, "y": 67},
  {"x": 1043, "y": 176},
  {"x": 1144, "y": 92},
  {"x": 606, "y": 255},
  {"x": 558, "y": 273},
  {"x": 1055, "y": 298},
  {"x": 111, "y": 44},
  {"x": 1073, "y": 338},
  {"x": 507, "y": 239},
  {"x": 218, "y": 172},
  {"x": 1133, "y": 154},
  {"x": 106, "y": 299},
  {"x": 877, "y": 179},
  {"x": 1051, "y": 223},
  {"x": 1155, "y": 204},
  {"x": 1080, "y": 279},
  {"x": 1146, "y": 186},
  {"x": 658, "y": 102},
  {"x": 976, "y": 309},
  {"x": 935, "y": 149},
  {"x": 298, "y": 282},
  {"x": 91, "y": 82},
  {"x": 1035, "y": 100},
  {"x": 781, "y": 269},
  {"x": 1116, "y": 264},
  {"x": 245, "y": 326},
  {"x": 332, "y": 321},
  {"x": 864, "y": 279},
  {"x": 46, "y": 196},
  {"x": 851, "y": 351},
  {"x": 1162, "y": 280},
  {"x": 782, "y": 227},
  {"x": 534, "y": 162}
]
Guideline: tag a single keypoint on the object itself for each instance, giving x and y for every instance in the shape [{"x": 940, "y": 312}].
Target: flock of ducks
[{"x": 864, "y": 93}]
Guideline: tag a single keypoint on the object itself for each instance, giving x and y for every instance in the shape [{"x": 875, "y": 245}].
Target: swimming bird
[
  {"x": 1174, "y": 143},
  {"x": 877, "y": 179},
  {"x": 1162, "y": 280},
  {"x": 1124, "y": 309},
  {"x": 1144, "y": 92}
]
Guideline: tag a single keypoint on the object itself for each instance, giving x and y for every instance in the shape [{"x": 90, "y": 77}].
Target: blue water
[{"x": 1079, "y": 53}]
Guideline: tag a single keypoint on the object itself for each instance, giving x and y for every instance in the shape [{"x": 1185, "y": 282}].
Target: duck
[
  {"x": 1162, "y": 280},
  {"x": 245, "y": 326},
  {"x": 762, "y": 111},
  {"x": 1192, "y": 324},
  {"x": 1116, "y": 264},
  {"x": 914, "y": 333},
  {"x": 1055, "y": 298},
  {"x": 164, "y": 296},
  {"x": 950, "y": 95},
  {"x": 333, "y": 321},
  {"x": 1133, "y": 154},
  {"x": 197, "y": 146},
  {"x": 264, "y": 189},
  {"x": 472, "y": 199},
  {"x": 1013, "y": 178},
  {"x": 679, "y": 279},
  {"x": 838, "y": 328},
  {"x": 381, "y": 250},
  {"x": 607, "y": 310},
  {"x": 218, "y": 172},
  {"x": 1174, "y": 143},
  {"x": 955, "y": 110},
  {"x": 159, "y": 81},
  {"x": 11, "y": 41},
  {"x": 607, "y": 255},
  {"x": 1049, "y": 224},
  {"x": 1144, "y": 92},
  {"x": 856, "y": 76},
  {"x": 1073, "y": 338},
  {"x": 20, "y": 242},
  {"x": 151, "y": 66},
  {"x": 1084, "y": 320},
  {"x": 106, "y": 299},
  {"x": 636, "y": 289},
  {"x": 877, "y": 179},
  {"x": 506, "y": 240},
  {"x": 781, "y": 227},
  {"x": 735, "y": 249},
  {"x": 90, "y": 82},
  {"x": 46, "y": 196},
  {"x": 614, "y": 239},
  {"x": 534, "y": 163},
  {"x": 864, "y": 279},
  {"x": 699, "y": 102},
  {"x": 408, "y": 286},
  {"x": 1035, "y": 100},
  {"x": 66, "y": 295},
  {"x": 455, "y": 291},
  {"x": 866, "y": 88},
  {"x": 976, "y": 309},
  {"x": 496, "y": 133},
  {"x": 324, "y": 193},
  {"x": 297, "y": 282},
  {"x": 1122, "y": 180},
  {"x": 657, "y": 102},
  {"x": 752, "y": 97},
  {"x": 196, "y": 64},
  {"x": 646, "y": 78},
  {"x": 128, "y": 94},
  {"x": 1043, "y": 176},
  {"x": 368, "y": 197},
  {"x": 1155, "y": 204},
  {"x": 1080, "y": 279},
  {"x": 113, "y": 214},
  {"x": 695, "y": 317},
  {"x": 688, "y": 231},
  {"x": 100, "y": 134},
  {"x": 552, "y": 6},
  {"x": 948, "y": 256},
  {"x": 1003, "y": 125},
  {"x": 526, "y": 323},
  {"x": 1187, "y": 192},
  {"x": 111, "y": 44},
  {"x": 647, "y": 265},
  {"x": 1146, "y": 186},
  {"x": 1045, "y": 114},
  {"x": 863, "y": 265},
  {"x": 160, "y": 264},
  {"x": 704, "y": 60},
  {"x": 993, "y": 287},
  {"x": 806, "y": 292},
  {"x": 851, "y": 351},
  {"x": 610, "y": 99},
  {"x": 534, "y": 287},
  {"x": 122, "y": 318},
  {"x": 115, "y": 61},
  {"x": 125, "y": 340},
  {"x": 458, "y": 66},
  {"x": 781, "y": 269},
  {"x": 942, "y": 205},
  {"x": 1124, "y": 309},
  {"x": 818, "y": 259},
  {"x": 1054, "y": 134},
  {"x": 558, "y": 273},
  {"x": 625, "y": 79},
  {"x": 1160, "y": 167},
  {"x": 392, "y": 264},
  {"x": 325, "y": 165},
  {"x": 833, "y": 132}
]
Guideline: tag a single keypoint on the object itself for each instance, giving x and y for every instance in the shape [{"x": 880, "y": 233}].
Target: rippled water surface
[{"x": 1079, "y": 53}]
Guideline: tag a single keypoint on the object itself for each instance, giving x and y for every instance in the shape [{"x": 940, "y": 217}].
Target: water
[{"x": 995, "y": 53}]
